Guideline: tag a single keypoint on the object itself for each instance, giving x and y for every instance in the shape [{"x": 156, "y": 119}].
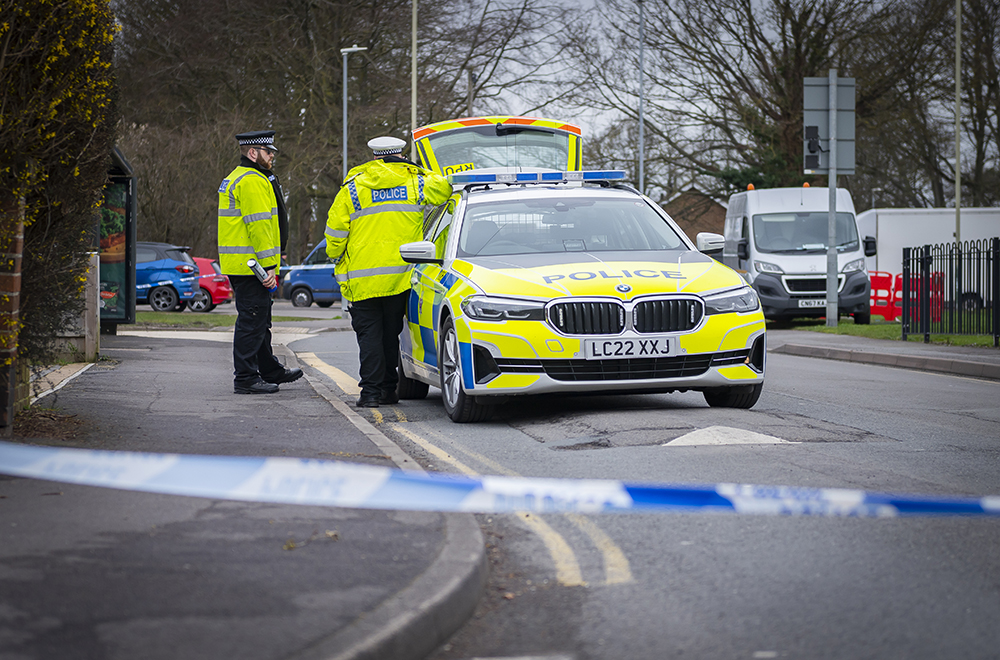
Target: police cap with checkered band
[
  {"x": 386, "y": 146},
  {"x": 257, "y": 139}
]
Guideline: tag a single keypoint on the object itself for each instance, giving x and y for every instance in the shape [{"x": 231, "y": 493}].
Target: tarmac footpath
[{"x": 100, "y": 573}]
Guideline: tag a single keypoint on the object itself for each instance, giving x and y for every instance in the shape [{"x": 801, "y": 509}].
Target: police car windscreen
[
  {"x": 802, "y": 232},
  {"x": 563, "y": 224},
  {"x": 482, "y": 147}
]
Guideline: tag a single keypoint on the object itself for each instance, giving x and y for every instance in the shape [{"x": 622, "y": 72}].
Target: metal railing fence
[{"x": 952, "y": 289}]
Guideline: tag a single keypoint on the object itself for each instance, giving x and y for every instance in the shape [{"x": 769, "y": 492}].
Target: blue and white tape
[{"x": 332, "y": 483}]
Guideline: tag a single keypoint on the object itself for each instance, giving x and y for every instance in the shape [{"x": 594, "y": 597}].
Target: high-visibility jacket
[
  {"x": 379, "y": 208},
  {"x": 248, "y": 222}
]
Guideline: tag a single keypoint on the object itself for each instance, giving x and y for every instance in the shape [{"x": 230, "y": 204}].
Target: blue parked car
[
  {"x": 166, "y": 277},
  {"x": 311, "y": 281}
]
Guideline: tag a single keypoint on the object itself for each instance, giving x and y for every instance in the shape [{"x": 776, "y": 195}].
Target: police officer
[
  {"x": 251, "y": 227},
  {"x": 379, "y": 208}
]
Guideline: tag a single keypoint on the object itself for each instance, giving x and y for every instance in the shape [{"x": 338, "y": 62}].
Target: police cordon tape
[{"x": 352, "y": 485}]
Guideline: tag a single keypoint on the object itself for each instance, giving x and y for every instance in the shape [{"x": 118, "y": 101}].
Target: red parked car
[{"x": 214, "y": 286}]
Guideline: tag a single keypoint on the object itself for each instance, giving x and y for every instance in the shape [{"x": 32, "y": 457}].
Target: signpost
[{"x": 828, "y": 144}]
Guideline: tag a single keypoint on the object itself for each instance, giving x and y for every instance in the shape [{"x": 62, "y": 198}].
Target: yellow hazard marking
[
  {"x": 567, "y": 567},
  {"x": 616, "y": 565},
  {"x": 617, "y": 569},
  {"x": 435, "y": 451},
  {"x": 343, "y": 381}
]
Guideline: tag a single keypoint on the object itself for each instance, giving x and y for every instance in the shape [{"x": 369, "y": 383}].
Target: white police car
[{"x": 537, "y": 281}]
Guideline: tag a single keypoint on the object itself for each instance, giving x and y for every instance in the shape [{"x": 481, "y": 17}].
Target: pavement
[
  {"x": 96, "y": 573},
  {"x": 89, "y": 572},
  {"x": 971, "y": 361}
]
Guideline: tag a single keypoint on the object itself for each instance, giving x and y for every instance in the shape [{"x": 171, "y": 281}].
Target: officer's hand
[{"x": 270, "y": 281}]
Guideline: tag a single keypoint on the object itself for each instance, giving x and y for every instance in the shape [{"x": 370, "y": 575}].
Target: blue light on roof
[{"x": 535, "y": 177}]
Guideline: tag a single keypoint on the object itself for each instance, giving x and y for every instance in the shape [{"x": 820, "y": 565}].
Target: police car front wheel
[
  {"x": 740, "y": 396},
  {"x": 460, "y": 406}
]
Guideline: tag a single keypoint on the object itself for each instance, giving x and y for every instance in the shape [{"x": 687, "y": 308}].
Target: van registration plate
[
  {"x": 616, "y": 349},
  {"x": 812, "y": 302}
]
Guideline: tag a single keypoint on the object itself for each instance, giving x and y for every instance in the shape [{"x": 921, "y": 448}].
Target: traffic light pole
[{"x": 832, "y": 311}]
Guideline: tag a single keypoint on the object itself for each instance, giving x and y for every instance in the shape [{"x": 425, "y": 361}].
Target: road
[{"x": 727, "y": 586}]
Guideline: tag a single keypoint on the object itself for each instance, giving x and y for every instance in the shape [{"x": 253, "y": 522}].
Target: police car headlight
[
  {"x": 743, "y": 299},
  {"x": 497, "y": 309},
  {"x": 854, "y": 266}
]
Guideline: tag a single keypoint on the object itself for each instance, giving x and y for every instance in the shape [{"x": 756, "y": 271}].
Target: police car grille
[
  {"x": 588, "y": 318},
  {"x": 684, "y": 366},
  {"x": 673, "y": 315}
]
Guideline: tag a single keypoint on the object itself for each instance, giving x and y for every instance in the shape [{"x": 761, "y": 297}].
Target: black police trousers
[
  {"x": 377, "y": 323},
  {"x": 252, "y": 356}
]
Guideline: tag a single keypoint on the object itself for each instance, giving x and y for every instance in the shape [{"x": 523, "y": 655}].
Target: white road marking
[{"x": 725, "y": 435}]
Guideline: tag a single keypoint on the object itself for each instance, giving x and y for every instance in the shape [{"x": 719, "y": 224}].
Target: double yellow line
[{"x": 616, "y": 565}]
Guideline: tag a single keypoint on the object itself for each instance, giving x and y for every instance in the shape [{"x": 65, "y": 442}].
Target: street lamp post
[
  {"x": 413, "y": 82},
  {"x": 642, "y": 139},
  {"x": 345, "y": 52}
]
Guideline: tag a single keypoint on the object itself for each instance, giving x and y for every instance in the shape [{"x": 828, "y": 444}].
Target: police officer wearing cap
[
  {"x": 379, "y": 208},
  {"x": 253, "y": 225}
]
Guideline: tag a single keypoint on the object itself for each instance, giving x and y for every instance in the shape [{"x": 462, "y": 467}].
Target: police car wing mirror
[
  {"x": 421, "y": 252},
  {"x": 709, "y": 243}
]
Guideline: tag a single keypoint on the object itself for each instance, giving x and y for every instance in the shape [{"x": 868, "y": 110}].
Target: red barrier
[
  {"x": 882, "y": 302},
  {"x": 936, "y": 296}
]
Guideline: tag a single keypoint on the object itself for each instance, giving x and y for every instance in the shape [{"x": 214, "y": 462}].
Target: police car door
[{"x": 427, "y": 291}]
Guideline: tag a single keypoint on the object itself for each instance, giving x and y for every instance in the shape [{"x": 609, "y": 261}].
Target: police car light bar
[{"x": 536, "y": 177}]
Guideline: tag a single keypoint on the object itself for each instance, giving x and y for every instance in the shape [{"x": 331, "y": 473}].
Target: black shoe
[
  {"x": 259, "y": 387},
  {"x": 389, "y": 398},
  {"x": 287, "y": 376},
  {"x": 367, "y": 402}
]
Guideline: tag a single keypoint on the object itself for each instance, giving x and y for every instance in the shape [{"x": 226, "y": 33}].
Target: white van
[{"x": 777, "y": 240}]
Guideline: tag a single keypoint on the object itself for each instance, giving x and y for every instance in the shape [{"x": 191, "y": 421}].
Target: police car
[{"x": 534, "y": 281}]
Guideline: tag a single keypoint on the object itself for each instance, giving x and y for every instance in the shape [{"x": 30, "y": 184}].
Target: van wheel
[
  {"x": 459, "y": 406},
  {"x": 741, "y": 396},
  {"x": 301, "y": 297},
  {"x": 409, "y": 388},
  {"x": 324, "y": 304},
  {"x": 862, "y": 318}
]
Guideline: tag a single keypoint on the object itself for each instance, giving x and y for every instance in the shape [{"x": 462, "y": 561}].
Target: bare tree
[
  {"x": 724, "y": 78},
  {"x": 981, "y": 100},
  {"x": 194, "y": 70}
]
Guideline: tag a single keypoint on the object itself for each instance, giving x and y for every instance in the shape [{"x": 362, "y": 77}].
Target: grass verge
[{"x": 880, "y": 330}]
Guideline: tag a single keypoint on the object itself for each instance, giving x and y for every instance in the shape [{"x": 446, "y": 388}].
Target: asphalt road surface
[{"x": 727, "y": 586}]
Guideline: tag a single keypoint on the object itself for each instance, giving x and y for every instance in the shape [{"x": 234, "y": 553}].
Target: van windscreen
[{"x": 802, "y": 232}]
